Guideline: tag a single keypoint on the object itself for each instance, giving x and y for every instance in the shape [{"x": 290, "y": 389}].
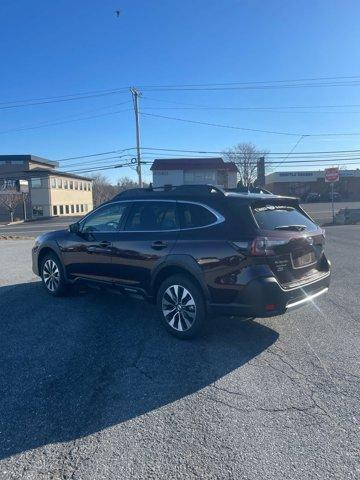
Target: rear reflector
[{"x": 270, "y": 306}]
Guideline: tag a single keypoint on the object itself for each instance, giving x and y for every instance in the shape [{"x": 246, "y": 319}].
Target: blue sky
[{"x": 66, "y": 47}]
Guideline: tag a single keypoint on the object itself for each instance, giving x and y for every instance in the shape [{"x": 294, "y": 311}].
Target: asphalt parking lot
[
  {"x": 92, "y": 387},
  {"x": 37, "y": 227}
]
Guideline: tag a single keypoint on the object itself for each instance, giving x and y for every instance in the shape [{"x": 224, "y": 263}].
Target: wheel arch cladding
[
  {"x": 45, "y": 251},
  {"x": 182, "y": 265}
]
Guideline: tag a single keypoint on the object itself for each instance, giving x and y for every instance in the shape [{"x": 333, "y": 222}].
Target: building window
[
  {"x": 85, "y": 208},
  {"x": 82, "y": 208},
  {"x": 36, "y": 183},
  {"x": 89, "y": 187},
  {"x": 66, "y": 184},
  {"x": 55, "y": 210},
  {"x": 76, "y": 186},
  {"x": 61, "y": 210},
  {"x": 53, "y": 182},
  {"x": 77, "y": 208},
  {"x": 59, "y": 182},
  {"x": 72, "y": 208},
  {"x": 37, "y": 211},
  {"x": 71, "y": 185},
  {"x": 199, "y": 176},
  {"x": 67, "y": 209},
  {"x": 80, "y": 185},
  {"x": 16, "y": 162}
]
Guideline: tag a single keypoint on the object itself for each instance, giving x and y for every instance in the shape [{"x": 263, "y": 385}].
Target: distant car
[
  {"x": 193, "y": 250},
  {"x": 337, "y": 197},
  {"x": 312, "y": 197}
]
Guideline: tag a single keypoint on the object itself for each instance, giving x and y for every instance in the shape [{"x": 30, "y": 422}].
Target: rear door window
[
  {"x": 282, "y": 217},
  {"x": 193, "y": 216},
  {"x": 152, "y": 216}
]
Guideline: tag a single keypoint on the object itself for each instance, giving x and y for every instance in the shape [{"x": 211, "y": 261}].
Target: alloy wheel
[
  {"x": 51, "y": 275},
  {"x": 179, "y": 308}
]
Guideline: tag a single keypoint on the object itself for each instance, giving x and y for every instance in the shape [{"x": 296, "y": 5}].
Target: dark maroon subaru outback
[{"x": 193, "y": 250}]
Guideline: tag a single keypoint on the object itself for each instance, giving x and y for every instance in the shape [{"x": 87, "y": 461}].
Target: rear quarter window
[
  {"x": 194, "y": 216},
  {"x": 274, "y": 217}
]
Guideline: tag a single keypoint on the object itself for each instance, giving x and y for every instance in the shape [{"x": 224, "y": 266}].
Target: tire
[
  {"x": 52, "y": 275},
  {"x": 188, "y": 314}
]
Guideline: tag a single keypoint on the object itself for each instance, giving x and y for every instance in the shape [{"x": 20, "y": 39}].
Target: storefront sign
[{"x": 13, "y": 185}]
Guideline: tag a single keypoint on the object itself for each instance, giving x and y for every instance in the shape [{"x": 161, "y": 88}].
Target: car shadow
[{"x": 73, "y": 366}]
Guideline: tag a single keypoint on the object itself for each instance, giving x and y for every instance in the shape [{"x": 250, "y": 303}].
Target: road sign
[{"x": 332, "y": 175}]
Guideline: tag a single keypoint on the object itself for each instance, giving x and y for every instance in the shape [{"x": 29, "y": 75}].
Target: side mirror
[{"x": 74, "y": 228}]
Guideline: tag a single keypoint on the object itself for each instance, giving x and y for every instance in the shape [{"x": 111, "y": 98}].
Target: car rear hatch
[{"x": 289, "y": 241}]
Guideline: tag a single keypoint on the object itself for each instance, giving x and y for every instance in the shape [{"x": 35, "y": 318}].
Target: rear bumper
[{"x": 265, "y": 297}]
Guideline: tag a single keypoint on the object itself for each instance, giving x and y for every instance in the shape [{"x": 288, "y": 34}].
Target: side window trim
[{"x": 130, "y": 204}]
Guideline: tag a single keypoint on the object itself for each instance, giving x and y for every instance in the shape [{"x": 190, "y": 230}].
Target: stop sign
[{"x": 331, "y": 175}]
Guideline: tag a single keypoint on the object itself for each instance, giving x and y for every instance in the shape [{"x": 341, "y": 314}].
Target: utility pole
[
  {"x": 260, "y": 181},
  {"x": 135, "y": 95}
]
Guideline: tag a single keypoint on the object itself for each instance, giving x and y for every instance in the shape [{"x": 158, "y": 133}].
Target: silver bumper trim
[{"x": 307, "y": 298}]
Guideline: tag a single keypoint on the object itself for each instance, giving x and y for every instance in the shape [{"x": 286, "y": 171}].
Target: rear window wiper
[{"x": 297, "y": 228}]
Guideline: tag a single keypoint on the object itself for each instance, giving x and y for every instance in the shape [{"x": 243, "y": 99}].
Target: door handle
[
  {"x": 158, "y": 245},
  {"x": 104, "y": 244},
  {"x": 98, "y": 248}
]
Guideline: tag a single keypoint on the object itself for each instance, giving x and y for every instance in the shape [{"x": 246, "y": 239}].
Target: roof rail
[
  {"x": 200, "y": 188},
  {"x": 181, "y": 190},
  {"x": 249, "y": 189}
]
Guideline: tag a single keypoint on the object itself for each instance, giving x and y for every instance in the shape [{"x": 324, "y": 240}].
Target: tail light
[{"x": 265, "y": 246}]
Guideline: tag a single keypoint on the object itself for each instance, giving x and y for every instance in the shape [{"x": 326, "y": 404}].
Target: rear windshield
[{"x": 282, "y": 217}]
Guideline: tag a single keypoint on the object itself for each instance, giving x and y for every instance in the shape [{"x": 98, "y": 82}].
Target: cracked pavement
[{"x": 92, "y": 387}]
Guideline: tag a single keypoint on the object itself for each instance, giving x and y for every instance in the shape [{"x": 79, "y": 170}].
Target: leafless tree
[
  {"x": 125, "y": 183},
  {"x": 103, "y": 190},
  {"x": 245, "y": 155},
  {"x": 10, "y": 201}
]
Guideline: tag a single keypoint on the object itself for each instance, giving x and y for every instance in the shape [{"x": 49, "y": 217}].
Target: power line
[
  {"x": 219, "y": 125},
  {"x": 256, "y": 110},
  {"x": 252, "y": 129},
  {"x": 89, "y": 162},
  {"x": 158, "y": 150},
  {"x": 94, "y": 155},
  {"x": 100, "y": 162},
  {"x": 262, "y": 109},
  {"x": 59, "y": 100},
  {"x": 351, "y": 77},
  {"x": 294, "y": 83},
  {"x": 62, "y": 122},
  {"x": 293, "y": 148},
  {"x": 270, "y": 153},
  {"x": 97, "y": 169},
  {"x": 253, "y": 87}
]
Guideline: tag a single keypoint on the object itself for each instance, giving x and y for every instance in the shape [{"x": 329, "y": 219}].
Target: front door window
[{"x": 106, "y": 219}]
